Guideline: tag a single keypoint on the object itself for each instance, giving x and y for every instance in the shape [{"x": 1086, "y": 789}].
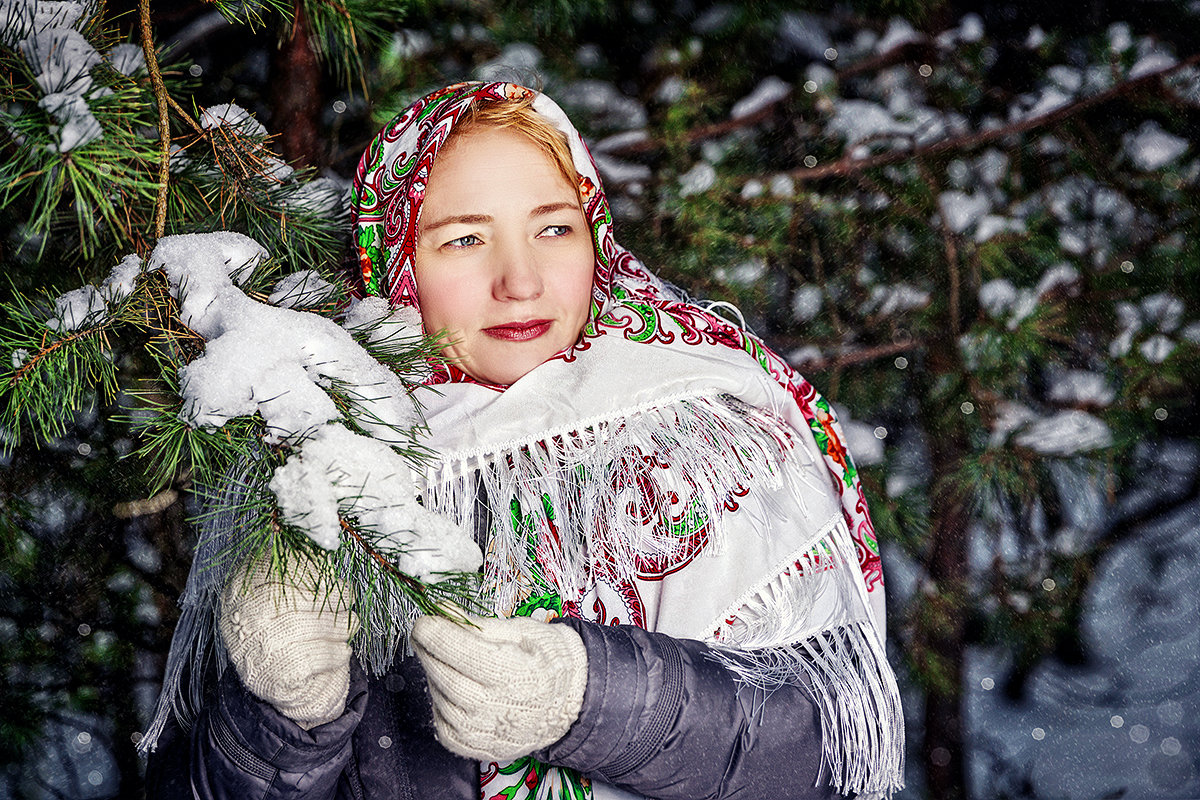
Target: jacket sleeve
[
  {"x": 241, "y": 748},
  {"x": 662, "y": 718}
]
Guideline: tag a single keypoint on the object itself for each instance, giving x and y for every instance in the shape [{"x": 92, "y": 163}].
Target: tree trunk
[
  {"x": 941, "y": 633},
  {"x": 296, "y": 98}
]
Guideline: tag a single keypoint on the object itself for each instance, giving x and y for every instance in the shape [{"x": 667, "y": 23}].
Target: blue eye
[
  {"x": 555, "y": 230},
  {"x": 463, "y": 241}
]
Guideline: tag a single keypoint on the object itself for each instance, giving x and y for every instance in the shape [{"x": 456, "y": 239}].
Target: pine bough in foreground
[{"x": 300, "y": 432}]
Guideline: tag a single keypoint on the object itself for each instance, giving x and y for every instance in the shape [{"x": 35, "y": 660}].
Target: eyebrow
[
  {"x": 550, "y": 208},
  {"x": 465, "y": 219},
  {"x": 483, "y": 219}
]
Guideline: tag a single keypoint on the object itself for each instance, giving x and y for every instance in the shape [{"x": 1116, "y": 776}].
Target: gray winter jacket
[{"x": 660, "y": 719}]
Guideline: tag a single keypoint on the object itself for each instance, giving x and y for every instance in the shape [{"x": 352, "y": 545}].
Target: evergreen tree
[{"x": 976, "y": 233}]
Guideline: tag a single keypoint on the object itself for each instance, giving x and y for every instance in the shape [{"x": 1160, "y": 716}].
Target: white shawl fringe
[
  {"x": 810, "y": 626},
  {"x": 651, "y": 484}
]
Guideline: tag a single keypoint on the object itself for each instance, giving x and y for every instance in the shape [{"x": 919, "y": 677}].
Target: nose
[{"x": 518, "y": 276}]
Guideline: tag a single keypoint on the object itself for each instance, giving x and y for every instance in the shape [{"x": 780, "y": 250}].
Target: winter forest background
[{"x": 973, "y": 226}]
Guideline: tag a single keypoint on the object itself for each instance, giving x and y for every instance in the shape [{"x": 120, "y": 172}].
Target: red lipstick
[{"x": 519, "y": 331}]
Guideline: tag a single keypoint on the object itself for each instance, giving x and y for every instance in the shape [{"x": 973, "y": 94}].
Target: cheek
[
  {"x": 441, "y": 300},
  {"x": 581, "y": 277}
]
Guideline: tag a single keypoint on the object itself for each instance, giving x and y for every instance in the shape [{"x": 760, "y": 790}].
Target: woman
[{"x": 643, "y": 473}]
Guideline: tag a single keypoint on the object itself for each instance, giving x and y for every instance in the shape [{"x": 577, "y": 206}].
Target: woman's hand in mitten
[
  {"x": 502, "y": 688},
  {"x": 289, "y": 641}
]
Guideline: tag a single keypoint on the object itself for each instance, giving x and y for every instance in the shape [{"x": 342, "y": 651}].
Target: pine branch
[
  {"x": 164, "y": 117},
  {"x": 50, "y": 377}
]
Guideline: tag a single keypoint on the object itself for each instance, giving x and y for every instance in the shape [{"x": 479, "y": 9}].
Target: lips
[{"x": 519, "y": 331}]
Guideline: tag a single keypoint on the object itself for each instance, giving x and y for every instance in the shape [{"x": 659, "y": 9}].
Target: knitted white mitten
[
  {"x": 289, "y": 643},
  {"x": 503, "y": 689}
]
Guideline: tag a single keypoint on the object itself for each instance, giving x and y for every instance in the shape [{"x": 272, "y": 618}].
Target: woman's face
[{"x": 504, "y": 256}]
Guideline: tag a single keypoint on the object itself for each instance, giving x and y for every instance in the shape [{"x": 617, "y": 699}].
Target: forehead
[{"x": 486, "y": 161}]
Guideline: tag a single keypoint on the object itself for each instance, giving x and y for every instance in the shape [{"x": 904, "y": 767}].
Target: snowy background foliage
[{"x": 973, "y": 226}]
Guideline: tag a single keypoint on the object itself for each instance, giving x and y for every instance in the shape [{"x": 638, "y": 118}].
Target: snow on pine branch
[
  {"x": 61, "y": 60},
  {"x": 282, "y": 364}
]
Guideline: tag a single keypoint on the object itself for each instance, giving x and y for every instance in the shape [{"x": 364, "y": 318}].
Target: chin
[{"x": 512, "y": 371}]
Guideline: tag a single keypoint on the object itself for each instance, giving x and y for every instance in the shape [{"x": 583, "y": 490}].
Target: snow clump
[
  {"x": 746, "y": 273},
  {"x": 272, "y": 361},
  {"x": 605, "y": 103},
  {"x": 127, "y": 59},
  {"x": 322, "y": 196},
  {"x": 1151, "y": 59},
  {"x": 807, "y": 302},
  {"x": 782, "y": 186},
  {"x": 338, "y": 471},
  {"x": 993, "y": 225},
  {"x": 1151, "y": 148},
  {"x": 61, "y": 60},
  {"x": 76, "y": 308},
  {"x": 376, "y": 320},
  {"x": 887, "y": 300},
  {"x": 88, "y": 305},
  {"x": 770, "y": 90},
  {"x": 804, "y": 34},
  {"x": 279, "y": 363},
  {"x": 960, "y": 211},
  {"x": 899, "y": 33},
  {"x": 22, "y": 17},
  {"x": 699, "y": 178},
  {"x": 862, "y": 442},
  {"x": 1065, "y": 434},
  {"x": 1078, "y": 387},
  {"x": 121, "y": 281},
  {"x": 1000, "y": 297},
  {"x": 1163, "y": 311},
  {"x": 518, "y": 57},
  {"x": 1060, "y": 276},
  {"x": 303, "y": 289},
  {"x": 231, "y": 115}
]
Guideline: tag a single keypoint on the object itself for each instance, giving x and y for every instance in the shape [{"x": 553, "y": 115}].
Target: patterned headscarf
[{"x": 389, "y": 189}]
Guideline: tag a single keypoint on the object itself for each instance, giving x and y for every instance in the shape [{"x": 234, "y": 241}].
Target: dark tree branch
[
  {"x": 164, "y": 117},
  {"x": 848, "y": 165}
]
